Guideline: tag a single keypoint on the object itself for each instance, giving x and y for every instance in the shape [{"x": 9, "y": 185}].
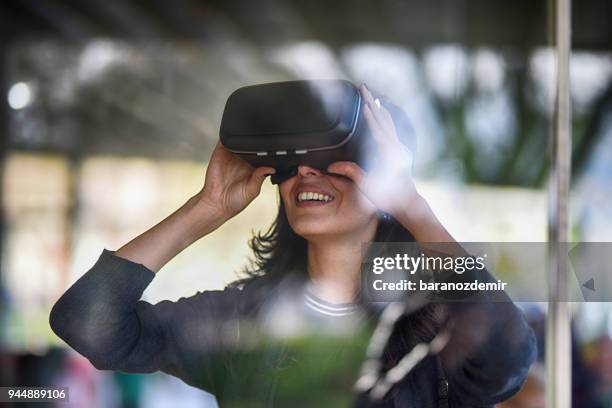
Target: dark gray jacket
[{"x": 102, "y": 317}]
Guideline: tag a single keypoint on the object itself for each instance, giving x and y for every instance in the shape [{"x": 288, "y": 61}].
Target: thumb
[
  {"x": 350, "y": 170},
  {"x": 256, "y": 180}
]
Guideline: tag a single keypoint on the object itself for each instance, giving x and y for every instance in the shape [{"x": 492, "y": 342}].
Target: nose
[{"x": 306, "y": 171}]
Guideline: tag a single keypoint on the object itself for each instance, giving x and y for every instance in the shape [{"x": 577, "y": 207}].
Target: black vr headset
[{"x": 314, "y": 123}]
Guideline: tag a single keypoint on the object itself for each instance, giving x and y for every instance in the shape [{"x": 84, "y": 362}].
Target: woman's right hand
[{"x": 231, "y": 183}]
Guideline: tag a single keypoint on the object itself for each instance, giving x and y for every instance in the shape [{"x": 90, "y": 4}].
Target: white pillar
[{"x": 558, "y": 327}]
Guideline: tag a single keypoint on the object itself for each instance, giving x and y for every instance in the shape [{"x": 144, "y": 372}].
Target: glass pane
[{"x": 113, "y": 112}]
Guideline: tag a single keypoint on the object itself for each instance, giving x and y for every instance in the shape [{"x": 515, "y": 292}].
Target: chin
[
  {"x": 310, "y": 228},
  {"x": 320, "y": 227}
]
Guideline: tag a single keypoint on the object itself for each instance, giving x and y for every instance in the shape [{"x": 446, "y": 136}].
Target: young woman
[{"x": 324, "y": 219}]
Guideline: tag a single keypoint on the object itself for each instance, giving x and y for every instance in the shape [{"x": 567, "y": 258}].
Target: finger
[
  {"x": 384, "y": 143},
  {"x": 257, "y": 178},
  {"x": 379, "y": 112},
  {"x": 379, "y": 120},
  {"x": 375, "y": 104},
  {"x": 383, "y": 117},
  {"x": 268, "y": 171},
  {"x": 367, "y": 95},
  {"x": 386, "y": 120},
  {"x": 350, "y": 170},
  {"x": 375, "y": 128},
  {"x": 371, "y": 103}
]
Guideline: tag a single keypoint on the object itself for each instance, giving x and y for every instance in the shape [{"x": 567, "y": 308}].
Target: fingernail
[{"x": 377, "y": 103}]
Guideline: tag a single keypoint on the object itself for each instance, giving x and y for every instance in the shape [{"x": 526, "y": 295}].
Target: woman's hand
[
  {"x": 389, "y": 185},
  {"x": 231, "y": 183}
]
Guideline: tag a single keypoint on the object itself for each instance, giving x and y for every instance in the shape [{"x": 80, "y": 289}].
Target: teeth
[{"x": 310, "y": 196}]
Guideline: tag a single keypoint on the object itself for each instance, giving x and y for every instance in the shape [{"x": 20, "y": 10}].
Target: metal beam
[{"x": 558, "y": 333}]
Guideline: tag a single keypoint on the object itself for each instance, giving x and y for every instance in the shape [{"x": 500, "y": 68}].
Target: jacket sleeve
[
  {"x": 102, "y": 317},
  {"x": 490, "y": 350}
]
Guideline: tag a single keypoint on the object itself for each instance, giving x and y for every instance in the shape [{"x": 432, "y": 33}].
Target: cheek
[
  {"x": 354, "y": 202},
  {"x": 358, "y": 209}
]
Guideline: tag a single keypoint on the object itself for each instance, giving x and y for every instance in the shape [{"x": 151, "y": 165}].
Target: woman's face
[{"x": 319, "y": 205}]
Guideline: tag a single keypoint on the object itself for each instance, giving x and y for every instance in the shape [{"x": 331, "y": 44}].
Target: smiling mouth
[{"x": 307, "y": 197}]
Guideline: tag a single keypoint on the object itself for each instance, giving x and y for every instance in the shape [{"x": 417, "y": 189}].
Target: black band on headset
[
  {"x": 286, "y": 174},
  {"x": 283, "y": 175}
]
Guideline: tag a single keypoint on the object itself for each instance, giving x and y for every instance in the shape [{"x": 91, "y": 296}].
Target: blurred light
[
  {"x": 590, "y": 74},
  {"x": 488, "y": 70},
  {"x": 308, "y": 60},
  {"x": 36, "y": 200},
  {"x": 446, "y": 69},
  {"x": 395, "y": 72},
  {"x": 20, "y": 95},
  {"x": 96, "y": 58},
  {"x": 543, "y": 72},
  {"x": 491, "y": 123},
  {"x": 594, "y": 213},
  {"x": 389, "y": 69}
]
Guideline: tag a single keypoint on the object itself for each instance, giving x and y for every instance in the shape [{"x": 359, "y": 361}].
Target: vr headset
[{"x": 287, "y": 124}]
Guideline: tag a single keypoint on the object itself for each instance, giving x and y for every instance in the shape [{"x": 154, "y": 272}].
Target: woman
[{"x": 323, "y": 221}]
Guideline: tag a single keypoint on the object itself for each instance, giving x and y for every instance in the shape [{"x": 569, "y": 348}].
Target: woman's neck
[{"x": 334, "y": 265}]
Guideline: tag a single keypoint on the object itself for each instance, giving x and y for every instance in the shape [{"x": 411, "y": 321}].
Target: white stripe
[
  {"x": 325, "y": 312},
  {"x": 332, "y": 308}
]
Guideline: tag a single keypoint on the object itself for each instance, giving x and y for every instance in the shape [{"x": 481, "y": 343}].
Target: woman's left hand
[{"x": 389, "y": 184}]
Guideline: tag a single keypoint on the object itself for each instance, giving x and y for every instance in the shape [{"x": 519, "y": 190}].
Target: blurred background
[{"x": 109, "y": 111}]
